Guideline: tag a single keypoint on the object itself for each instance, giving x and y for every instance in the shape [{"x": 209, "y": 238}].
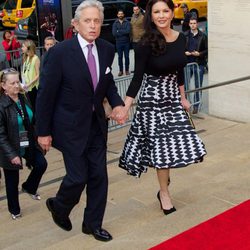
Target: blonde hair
[
  {"x": 31, "y": 50},
  {"x": 3, "y": 76}
]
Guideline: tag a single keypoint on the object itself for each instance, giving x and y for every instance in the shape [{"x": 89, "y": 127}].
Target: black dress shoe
[
  {"x": 63, "y": 223},
  {"x": 165, "y": 211},
  {"x": 99, "y": 233}
]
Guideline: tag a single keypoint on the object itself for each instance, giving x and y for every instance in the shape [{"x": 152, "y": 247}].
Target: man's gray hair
[{"x": 89, "y": 3}]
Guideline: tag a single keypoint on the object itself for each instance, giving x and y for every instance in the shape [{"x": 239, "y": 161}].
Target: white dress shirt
[{"x": 83, "y": 44}]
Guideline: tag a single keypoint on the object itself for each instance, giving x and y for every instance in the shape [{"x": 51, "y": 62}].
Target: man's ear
[
  {"x": 72, "y": 21},
  {"x": 75, "y": 24}
]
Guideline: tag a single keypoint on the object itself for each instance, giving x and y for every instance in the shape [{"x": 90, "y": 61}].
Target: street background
[{"x": 115, "y": 69}]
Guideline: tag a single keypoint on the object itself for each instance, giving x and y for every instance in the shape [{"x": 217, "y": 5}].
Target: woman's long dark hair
[{"x": 152, "y": 35}]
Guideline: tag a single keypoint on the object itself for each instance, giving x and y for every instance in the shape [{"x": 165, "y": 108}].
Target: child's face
[
  {"x": 48, "y": 44},
  {"x": 24, "y": 48}
]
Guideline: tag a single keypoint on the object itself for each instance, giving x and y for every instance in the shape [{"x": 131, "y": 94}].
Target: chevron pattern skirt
[{"x": 161, "y": 135}]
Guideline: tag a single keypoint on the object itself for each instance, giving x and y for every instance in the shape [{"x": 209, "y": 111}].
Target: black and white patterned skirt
[{"x": 161, "y": 135}]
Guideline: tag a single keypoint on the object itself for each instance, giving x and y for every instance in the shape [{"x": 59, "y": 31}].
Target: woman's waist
[{"x": 160, "y": 76}]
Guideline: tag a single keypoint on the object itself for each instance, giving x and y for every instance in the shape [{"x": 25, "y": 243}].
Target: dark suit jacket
[{"x": 66, "y": 96}]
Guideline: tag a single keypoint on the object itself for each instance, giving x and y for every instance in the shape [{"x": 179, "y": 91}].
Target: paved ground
[{"x": 133, "y": 214}]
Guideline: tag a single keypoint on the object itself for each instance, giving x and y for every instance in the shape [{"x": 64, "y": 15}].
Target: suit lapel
[{"x": 81, "y": 61}]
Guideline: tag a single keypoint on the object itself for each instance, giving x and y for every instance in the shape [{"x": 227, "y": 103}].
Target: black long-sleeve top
[{"x": 172, "y": 61}]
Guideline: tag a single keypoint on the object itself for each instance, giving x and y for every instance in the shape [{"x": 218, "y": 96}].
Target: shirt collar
[
  {"x": 83, "y": 42},
  {"x": 194, "y": 33}
]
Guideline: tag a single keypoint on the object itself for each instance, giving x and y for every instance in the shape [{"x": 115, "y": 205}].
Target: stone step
[
  {"x": 133, "y": 214},
  {"x": 154, "y": 231}
]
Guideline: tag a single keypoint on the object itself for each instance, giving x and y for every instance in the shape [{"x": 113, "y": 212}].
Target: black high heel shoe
[{"x": 165, "y": 211}]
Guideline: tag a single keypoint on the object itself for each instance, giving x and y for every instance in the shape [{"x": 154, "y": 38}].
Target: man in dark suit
[{"x": 70, "y": 116}]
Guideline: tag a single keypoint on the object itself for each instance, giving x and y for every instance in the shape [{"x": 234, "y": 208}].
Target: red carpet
[{"x": 227, "y": 231}]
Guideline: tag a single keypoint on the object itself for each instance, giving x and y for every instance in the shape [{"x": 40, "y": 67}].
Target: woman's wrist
[
  {"x": 183, "y": 97},
  {"x": 128, "y": 102}
]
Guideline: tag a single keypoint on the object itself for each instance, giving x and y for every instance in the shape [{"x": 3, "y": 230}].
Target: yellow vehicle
[
  {"x": 15, "y": 10},
  {"x": 199, "y": 7}
]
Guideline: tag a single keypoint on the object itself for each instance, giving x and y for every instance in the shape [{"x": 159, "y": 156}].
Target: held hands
[
  {"x": 119, "y": 114},
  {"x": 45, "y": 142}
]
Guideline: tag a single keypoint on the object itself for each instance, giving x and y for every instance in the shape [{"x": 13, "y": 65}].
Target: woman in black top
[
  {"x": 161, "y": 135},
  {"x": 17, "y": 141}
]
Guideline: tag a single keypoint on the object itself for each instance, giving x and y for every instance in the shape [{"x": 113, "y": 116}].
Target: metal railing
[
  {"x": 15, "y": 58},
  {"x": 122, "y": 85},
  {"x": 241, "y": 79},
  {"x": 191, "y": 71},
  {"x": 193, "y": 74}
]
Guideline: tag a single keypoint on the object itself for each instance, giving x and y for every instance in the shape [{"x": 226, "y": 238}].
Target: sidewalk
[{"x": 133, "y": 214}]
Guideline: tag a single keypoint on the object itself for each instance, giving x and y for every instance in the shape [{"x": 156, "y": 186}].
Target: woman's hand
[
  {"x": 16, "y": 161},
  {"x": 185, "y": 103}
]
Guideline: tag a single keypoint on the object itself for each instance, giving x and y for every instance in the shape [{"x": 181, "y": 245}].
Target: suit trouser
[
  {"x": 32, "y": 97},
  {"x": 88, "y": 169}
]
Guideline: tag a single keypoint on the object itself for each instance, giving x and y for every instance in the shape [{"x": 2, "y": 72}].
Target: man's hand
[
  {"x": 196, "y": 53},
  {"x": 45, "y": 142},
  {"x": 119, "y": 114}
]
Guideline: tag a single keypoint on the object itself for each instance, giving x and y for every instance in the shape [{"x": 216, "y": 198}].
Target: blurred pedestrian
[
  {"x": 11, "y": 46},
  {"x": 49, "y": 42},
  {"x": 187, "y": 16},
  {"x": 17, "y": 141},
  {"x": 137, "y": 29},
  {"x": 71, "y": 31},
  {"x": 30, "y": 71},
  {"x": 196, "y": 51},
  {"x": 121, "y": 31}
]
